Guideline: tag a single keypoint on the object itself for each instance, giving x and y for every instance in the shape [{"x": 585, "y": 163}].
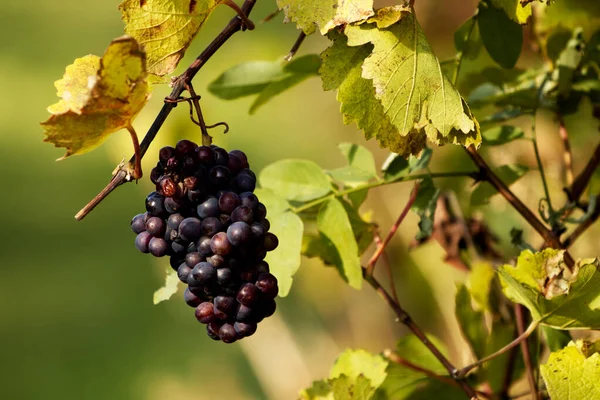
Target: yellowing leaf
[
  {"x": 99, "y": 96},
  {"x": 514, "y": 9},
  {"x": 165, "y": 28},
  {"x": 555, "y": 296},
  {"x": 169, "y": 289},
  {"x": 409, "y": 82},
  {"x": 325, "y": 14},
  {"x": 573, "y": 372}
]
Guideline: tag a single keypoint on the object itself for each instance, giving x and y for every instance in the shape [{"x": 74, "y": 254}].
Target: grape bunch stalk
[{"x": 205, "y": 216}]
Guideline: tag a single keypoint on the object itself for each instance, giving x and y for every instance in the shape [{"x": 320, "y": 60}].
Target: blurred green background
[{"x": 76, "y": 313}]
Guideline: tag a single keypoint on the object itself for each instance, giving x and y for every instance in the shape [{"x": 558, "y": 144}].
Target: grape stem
[
  {"x": 123, "y": 175},
  {"x": 405, "y": 319},
  {"x": 520, "y": 319},
  {"x": 296, "y": 46}
]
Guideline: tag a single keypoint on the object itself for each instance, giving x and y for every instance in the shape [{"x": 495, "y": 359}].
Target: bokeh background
[{"x": 76, "y": 313}]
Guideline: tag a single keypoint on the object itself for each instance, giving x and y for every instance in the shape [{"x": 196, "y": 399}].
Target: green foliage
[
  {"x": 555, "y": 296},
  {"x": 502, "y": 37},
  {"x": 169, "y": 289},
  {"x": 361, "y": 166},
  {"x": 573, "y": 372},
  {"x": 509, "y": 175},
  {"x": 425, "y": 205},
  {"x": 503, "y": 134},
  {"x": 298, "y": 180},
  {"x": 471, "y": 321}
]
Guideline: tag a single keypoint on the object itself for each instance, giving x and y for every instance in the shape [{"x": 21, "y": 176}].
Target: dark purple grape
[
  {"x": 228, "y": 202},
  {"x": 262, "y": 267},
  {"x": 261, "y": 212},
  {"x": 227, "y": 333},
  {"x": 179, "y": 247},
  {"x": 158, "y": 247},
  {"x": 244, "y": 329},
  {"x": 221, "y": 156},
  {"x": 183, "y": 272},
  {"x": 189, "y": 229},
  {"x": 258, "y": 230},
  {"x": 203, "y": 246},
  {"x": 174, "y": 220},
  {"x": 205, "y": 313},
  {"x": 242, "y": 213},
  {"x": 142, "y": 242},
  {"x": 244, "y": 314},
  {"x": 219, "y": 176},
  {"x": 212, "y": 330},
  {"x": 205, "y": 155},
  {"x": 185, "y": 146},
  {"x": 193, "y": 283},
  {"x": 244, "y": 183},
  {"x": 249, "y": 172},
  {"x": 242, "y": 156},
  {"x": 239, "y": 233},
  {"x": 156, "y": 226},
  {"x": 249, "y": 200},
  {"x": 193, "y": 258},
  {"x": 267, "y": 284},
  {"x": 224, "y": 275},
  {"x": 173, "y": 205},
  {"x": 175, "y": 262},
  {"x": 271, "y": 242},
  {"x": 138, "y": 223},
  {"x": 165, "y": 153},
  {"x": 191, "y": 299},
  {"x": 234, "y": 165},
  {"x": 265, "y": 223},
  {"x": 220, "y": 244},
  {"x": 204, "y": 272},
  {"x": 166, "y": 186},
  {"x": 225, "y": 303},
  {"x": 189, "y": 163},
  {"x": 267, "y": 308},
  {"x": 196, "y": 196},
  {"x": 248, "y": 276},
  {"x": 220, "y": 314},
  {"x": 217, "y": 260},
  {"x": 248, "y": 294},
  {"x": 155, "y": 175},
  {"x": 210, "y": 208},
  {"x": 210, "y": 226},
  {"x": 172, "y": 164},
  {"x": 155, "y": 204}
]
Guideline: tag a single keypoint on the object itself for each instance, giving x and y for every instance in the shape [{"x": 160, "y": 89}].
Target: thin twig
[
  {"x": 270, "y": 16},
  {"x": 123, "y": 175},
  {"x": 520, "y": 319},
  {"x": 567, "y": 153},
  {"x": 378, "y": 242},
  {"x": 508, "y": 373},
  {"x": 406, "y": 319},
  {"x": 394, "y": 228},
  {"x": 137, "y": 169},
  {"x": 581, "y": 228},
  {"x": 575, "y": 191},
  {"x": 296, "y": 46}
]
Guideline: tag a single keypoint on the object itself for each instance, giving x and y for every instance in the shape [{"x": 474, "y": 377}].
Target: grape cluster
[{"x": 205, "y": 216}]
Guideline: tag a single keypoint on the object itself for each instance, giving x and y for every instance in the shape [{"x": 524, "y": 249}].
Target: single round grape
[
  {"x": 155, "y": 174},
  {"x": 228, "y": 202},
  {"x": 196, "y": 196},
  {"x": 204, "y": 272},
  {"x": 219, "y": 176},
  {"x": 242, "y": 156},
  {"x": 210, "y": 226},
  {"x": 205, "y": 313},
  {"x": 242, "y": 213},
  {"x": 217, "y": 260},
  {"x": 244, "y": 314},
  {"x": 249, "y": 172},
  {"x": 265, "y": 223},
  {"x": 172, "y": 164},
  {"x": 267, "y": 308},
  {"x": 220, "y": 315},
  {"x": 166, "y": 186},
  {"x": 155, "y": 204},
  {"x": 244, "y": 329},
  {"x": 193, "y": 258},
  {"x": 248, "y": 276},
  {"x": 239, "y": 233},
  {"x": 258, "y": 231},
  {"x": 220, "y": 244},
  {"x": 191, "y": 299},
  {"x": 271, "y": 242},
  {"x": 221, "y": 156},
  {"x": 183, "y": 272},
  {"x": 165, "y": 153},
  {"x": 173, "y": 205},
  {"x": 261, "y": 212},
  {"x": 262, "y": 267},
  {"x": 244, "y": 183},
  {"x": 224, "y": 275},
  {"x": 267, "y": 284},
  {"x": 193, "y": 283},
  {"x": 189, "y": 229},
  {"x": 249, "y": 200},
  {"x": 210, "y": 208},
  {"x": 197, "y": 290},
  {"x": 175, "y": 262},
  {"x": 227, "y": 333},
  {"x": 203, "y": 246},
  {"x": 212, "y": 330},
  {"x": 185, "y": 146},
  {"x": 189, "y": 163},
  {"x": 156, "y": 226},
  {"x": 158, "y": 247},
  {"x": 225, "y": 304},
  {"x": 179, "y": 247},
  {"x": 234, "y": 165},
  {"x": 142, "y": 241},
  {"x": 205, "y": 155},
  {"x": 138, "y": 223},
  {"x": 248, "y": 294}
]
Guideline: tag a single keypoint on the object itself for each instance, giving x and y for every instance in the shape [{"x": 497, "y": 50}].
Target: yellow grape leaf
[
  {"x": 99, "y": 96},
  {"x": 165, "y": 28},
  {"x": 516, "y": 10}
]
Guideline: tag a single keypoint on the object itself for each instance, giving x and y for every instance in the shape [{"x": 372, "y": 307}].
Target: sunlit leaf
[
  {"x": 165, "y": 28},
  {"x": 514, "y": 9},
  {"x": 480, "y": 283},
  {"x": 169, "y": 289},
  {"x": 299, "y": 180},
  {"x": 555, "y": 296},
  {"x": 99, "y": 97},
  {"x": 471, "y": 322}
]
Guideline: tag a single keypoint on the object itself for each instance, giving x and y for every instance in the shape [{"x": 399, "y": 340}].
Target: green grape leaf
[
  {"x": 568, "y": 61},
  {"x": 358, "y": 197},
  {"x": 165, "y": 28},
  {"x": 355, "y": 363},
  {"x": 494, "y": 371},
  {"x": 573, "y": 372},
  {"x": 396, "y": 166},
  {"x": 324, "y": 15},
  {"x": 480, "y": 283},
  {"x": 169, "y": 289},
  {"x": 416, "y": 96},
  {"x": 274, "y": 203},
  {"x": 99, "y": 97},
  {"x": 502, "y": 134},
  {"x": 509, "y": 174},
  {"x": 424, "y": 206},
  {"x": 413, "y": 350},
  {"x": 298, "y": 180},
  {"x": 350, "y": 176},
  {"x": 417, "y": 163},
  {"x": 467, "y": 40},
  {"x": 335, "y": 227},
  {"x": 340, "y": 388},
  {"x": 555, "y": 296},
  {"x": 555, "y": 339},
  {"x": 359, "y": 157},
  {"x": 515, "y": 9},
  {"x": 265, "y": 78},
  {"x": 341, "y": 69},
  {"x": 502, "y": 37},
  {"x": 471, "y": 322}
]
